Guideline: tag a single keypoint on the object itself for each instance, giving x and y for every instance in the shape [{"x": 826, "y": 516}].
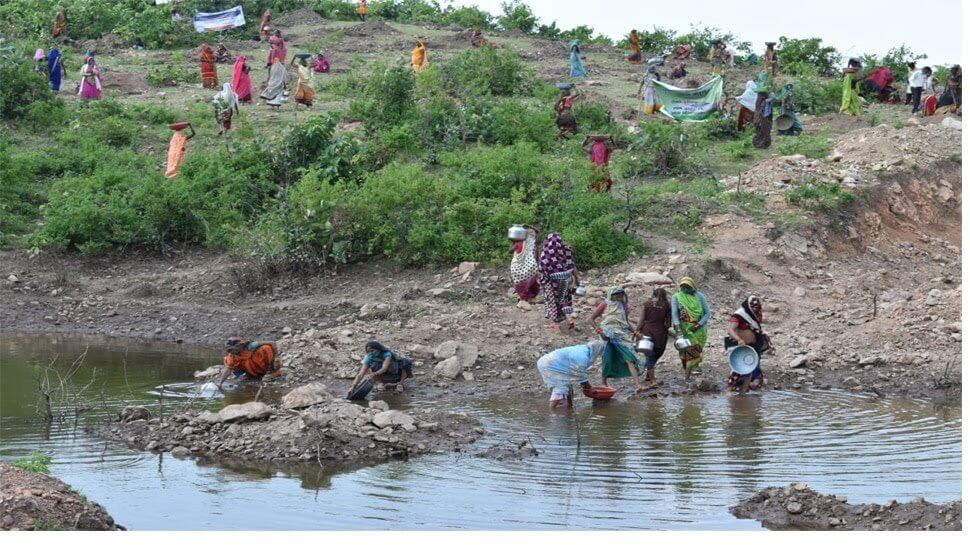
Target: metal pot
[
  {"x": 517, "y": 232},
  {"x": 645, "y": 346},
  {"x": 580, "y": 291},
  {"x": 682, "y": 343},
  {"x": 784, "y": 122}
]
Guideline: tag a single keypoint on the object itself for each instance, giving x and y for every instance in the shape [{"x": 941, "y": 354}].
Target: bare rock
[
  {"x": 449, "y": 368},
  {"x": 793, "y": 507},
  {"x": 467, "y": 267},
  {"x": 134, "y": 412},
  {"x": 253, "y": 410},
  {"x": 379, "y": 405},
  {"x": 386, "y": 419},
  {"x": 798, "y": 362},
  {"x": 466, "y": 353},
  {"x": 305, "y": 396},
  {"x": 648, "y": 278}
]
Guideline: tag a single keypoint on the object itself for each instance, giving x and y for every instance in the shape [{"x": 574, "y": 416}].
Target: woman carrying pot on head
[
  {"x": 557, "y": 276},
  {"x": 611, "y": 320},
  {"x": 565, "y": 119},
  {"x": 382, "y": 366},
  {"x": 564, "y": 368},
  {"x": 690, "y": 313},
  {"x": 525, "y": 265},
  {"x": 654, "y": 324},
  {"x": 745, "y": 329}
]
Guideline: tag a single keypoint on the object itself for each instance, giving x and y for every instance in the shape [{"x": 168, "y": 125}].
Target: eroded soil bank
[
  {"x": 33, "y": 501},
  {"x": 797, "y": 507}
]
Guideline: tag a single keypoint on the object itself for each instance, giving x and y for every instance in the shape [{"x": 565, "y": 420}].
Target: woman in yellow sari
[
  {"x": 304, "y": 88},
  {"x": 60, "y": 23},
  {"x": 419, "y": 57},
  {"x": 636, "y": 57}
]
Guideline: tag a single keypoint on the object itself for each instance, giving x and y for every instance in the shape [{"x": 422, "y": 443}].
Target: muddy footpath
[{"x": 798, "y": 507}]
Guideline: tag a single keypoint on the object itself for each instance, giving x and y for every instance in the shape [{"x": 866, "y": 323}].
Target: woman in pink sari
[
  {"x": 277, "y": 49},
  {"x": 242, "y": 85},
  {"x": 90, "y": 80}
]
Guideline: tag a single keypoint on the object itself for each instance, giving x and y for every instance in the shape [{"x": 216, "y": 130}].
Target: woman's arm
[
  {"x": 735, "y": 334},
  {"x": 384, "y": 367},
  {"x": 643, "y": 320},
  {"x": 705, "y": 311},
  {"x": 596, "y": 314},
  {"x": 358, "y": 378},
  {"x": 192, "y": 130}
]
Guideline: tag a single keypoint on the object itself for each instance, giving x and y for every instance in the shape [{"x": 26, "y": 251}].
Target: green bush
[
  {"x": 816, "y": 95},
  {"x": 22, "y": 88},
  {"x": 468, "y": 17},
  {"x": 485, "y": 71},
  {"x": 742, "y": 148},
  {"x": 793, "y": 51},
  {"x": 896, "y": 59},
  {"x": 386, "y": 99},
  {"x": 819, "y": 196},
  {"x": 585, "y": 34},
  {"x": 660, "y": 148},
  {"x": 38, "y": 462},
  {"x": 172, "y": 73},
  {"x": 314, "y": 144},
  {"x": 513, "y": 121},
  {"x": 593, "y": 117},
  {"x": 517, "y": 16}
]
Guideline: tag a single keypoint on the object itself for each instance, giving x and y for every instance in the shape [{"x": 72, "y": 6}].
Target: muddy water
[{"x": 649, "y": 464}]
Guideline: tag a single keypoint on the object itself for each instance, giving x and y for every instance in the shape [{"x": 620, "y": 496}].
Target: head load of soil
[
  {"x": 308, "y": 425},
  {"x": 33, "y": 501},
  {"x": 797, "y": 507}
]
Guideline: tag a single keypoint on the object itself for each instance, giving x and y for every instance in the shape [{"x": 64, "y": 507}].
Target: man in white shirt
[{"x": 916, "y": 81}]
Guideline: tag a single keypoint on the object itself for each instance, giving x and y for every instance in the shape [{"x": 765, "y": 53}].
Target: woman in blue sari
[
  {"x": 54, "y": 69},
  {"x": 576, "y": 69}
]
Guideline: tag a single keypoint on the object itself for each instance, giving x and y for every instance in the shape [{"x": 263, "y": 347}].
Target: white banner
[{"x": 221, "y": 20}]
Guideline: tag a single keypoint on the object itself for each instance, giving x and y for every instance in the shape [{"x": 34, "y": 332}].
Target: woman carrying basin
[{"x": 745, "y": 329}]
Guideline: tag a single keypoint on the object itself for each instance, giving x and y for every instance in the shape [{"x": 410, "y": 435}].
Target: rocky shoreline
[
  {"x": 798, "y": 507},
  {"x": 34, "y": 501},
  {"x": 309, "y": 425}
]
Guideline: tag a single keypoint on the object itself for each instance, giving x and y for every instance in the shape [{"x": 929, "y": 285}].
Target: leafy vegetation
[
  {"x": 794, "y": 52},
  {"x": 37, "y": 462},
  {"x": 819, "y": 196}
]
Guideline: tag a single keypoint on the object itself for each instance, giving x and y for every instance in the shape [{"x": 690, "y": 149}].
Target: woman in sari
[
  {"x": 242, "y": 84},
  {"x": 525, "y": 266},
  {"x": 557, "y": 272},
  {"x": 654, "y": 323},
  {"x": 651, "y": 103},
  {"x": 264, "y": 27},
  {"x": 636, "y": 56},
  {"x": 176, "y": 151},
  {"x": 207, "y": 65},
  {"x": 225, "y": 103},
  {"x": 620, "y": 357},
  {"x": 951, "y": 93},
  {"x": 321, "y": 65},
  {"x": 277, "y": 50},
  {"x": 419, "y": 57},
  {"x": 304, "y": 88},
  {"x": 851, "y": 105},
  {"x": 748, "y": 103},
  {"x": 54, "y": 67},
  {"x": 563, "y": 368},
  {"x": 565, "y": 119},
  {"x": 60, "y": 23},
  {"x": 576, "y": 69},
  {"x": 763, "y": 117},
  {"x": 361, "y": 10},
  {"x": 717, "y": 57},
  {"x": 90, "y": 80},
  {"x": 745, "y": 329},
  {"x": 689, "y": 313},
  {"x": 275, "y": 93},
  {"x": 40, "y": 63}
]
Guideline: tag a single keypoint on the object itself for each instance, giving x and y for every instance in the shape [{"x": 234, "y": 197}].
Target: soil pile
[
  {"x": 798, "y": 507},
  {"x": 309, "y": 425},
  {"x": 295, "y": 18},
  {"x": 33, "y": 501}
]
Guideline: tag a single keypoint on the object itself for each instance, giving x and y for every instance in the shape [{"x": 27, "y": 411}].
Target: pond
[{"x": 674, "y": 463}]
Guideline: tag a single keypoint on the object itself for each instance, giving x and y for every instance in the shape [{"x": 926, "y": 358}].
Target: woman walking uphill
[
  {"x": 576, "y": 69},
  {"x": 557, "y": 273},
  {"x": 690, "y": 313},
  {"x": 207, "y": 65}
]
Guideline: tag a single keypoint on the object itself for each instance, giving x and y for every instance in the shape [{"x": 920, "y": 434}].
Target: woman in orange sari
[
  {"x": 60, "y": 23},
  {"x": 207, "y": 64},
  {"x": 264, "y": 27},
  {"x": 419, "y": 57},
  {"x": 176, "y": 151}
]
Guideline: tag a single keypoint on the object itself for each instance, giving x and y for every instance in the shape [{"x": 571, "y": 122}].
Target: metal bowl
[
  {"x": 784, "y": 122},
  {"x": 682, "y": 343},
  {"x": 517, "y": 232},
  {"x": 743, "y": 359},
  {"x": 645, "y": 346}
]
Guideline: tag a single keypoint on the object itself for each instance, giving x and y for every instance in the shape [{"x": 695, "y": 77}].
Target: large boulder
[
  {"x": 449, "y": 368},
  {"x": 134, "y": 412},
  {"x": 466, "y": 353},
  {"x": 243, "y": 412},
  {"x": 305, "y": 396},
  {"x": 401, "y": 419},
  {"x": 648, "y": 278}
]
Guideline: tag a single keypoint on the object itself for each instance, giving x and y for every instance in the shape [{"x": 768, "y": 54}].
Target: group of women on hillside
[{"x": 51, "y": 66}]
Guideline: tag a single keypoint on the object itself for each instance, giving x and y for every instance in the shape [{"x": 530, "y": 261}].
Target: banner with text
[
  {"x": 699, "y": 104},
  {"x": 220, "y": 20}
]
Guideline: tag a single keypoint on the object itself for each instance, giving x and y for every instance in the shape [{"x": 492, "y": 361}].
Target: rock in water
[
  {"x": 449, "y": 368},
  {"x": 305, "y": 396},
  {"x": 385, "y": 419},
  {"x": 254, "y": 410},
  {"x": 134, "y": 412}
]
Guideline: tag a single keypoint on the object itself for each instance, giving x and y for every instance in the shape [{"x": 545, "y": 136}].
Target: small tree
[
  {"x": 895, "y": 59},
  {"x": 792, "y": 52},
  {"x": 517, "y": 16}
]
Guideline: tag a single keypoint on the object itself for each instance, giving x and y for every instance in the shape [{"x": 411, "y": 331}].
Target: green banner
[{"x": 692, "y": 105}]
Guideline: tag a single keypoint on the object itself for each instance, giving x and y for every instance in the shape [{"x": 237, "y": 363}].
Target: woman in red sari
[
  {"x": 264, "y": 27},
  {"x": 242, "y": 85},
  {"x": 207, "y": 64}
]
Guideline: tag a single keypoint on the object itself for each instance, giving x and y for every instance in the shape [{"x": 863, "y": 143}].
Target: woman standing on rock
[
  {"x": 576, "y": 69},
  {"x": 620, "y": 357},
  {"x": 689, "y": 313},
  {"x": 557, "y": 273},
  {"x": 525, "y": 266},
  {"x": 382, "y": 366},
  {"x": 654, "y": 323},
  {"x": 745, "y": 330},
  {"x": 563, "y": 368}
]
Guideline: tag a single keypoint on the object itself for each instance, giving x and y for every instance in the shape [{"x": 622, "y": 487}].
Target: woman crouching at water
[
  {"x": 745, "y": 330},
  {"x": 563, "y": 368},
  {"x": 383, "y": 366}
]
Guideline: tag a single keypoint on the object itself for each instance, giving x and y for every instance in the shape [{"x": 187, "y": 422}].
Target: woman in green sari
[
  {"x": 619, "y": 357},
  {"x": 851, "y": 105},
  {"x": 690, "y": 313}
]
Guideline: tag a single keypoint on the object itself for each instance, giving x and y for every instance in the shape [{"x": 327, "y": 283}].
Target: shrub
[
  {"x": 172, "y": 73},
  {"x": 517, "y": 16},
  {"x": 485, "y": 70},
  {"x": 701, "y": 40},
  {"x": 468, "y": 17},
  {"x": 22, "y": 88},
  {"x": 37, "y": 462},
  {"x": 513, "y": 121},
  {"x": 593, "y": 116},
  {"x": 584, "y": 34},
  {"x": 794, "y": 51},
  {"x": 660, "y": 148},
  {"x": 740, "y": 149},
  {"x": 387, "y": 98},
  {"x": 896, "y": 59},
  {"x": 315, "y": 145},
  {"x": 809, "y": 145},
  {"x": 819, "y": 196},
  {"x": 655, "y": 41},
  {"x": 816, "y": 95}
]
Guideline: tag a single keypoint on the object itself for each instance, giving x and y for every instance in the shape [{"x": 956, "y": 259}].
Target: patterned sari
[
  {"x": 207, "y": 65},
  {"x": 555, "y": 276},
  {"x": 619, "y": 351},
  {"x": 525, "y": 268}
]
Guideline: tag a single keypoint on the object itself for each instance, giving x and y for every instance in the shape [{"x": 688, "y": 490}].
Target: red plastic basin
[{"x": 599, "y": 392}]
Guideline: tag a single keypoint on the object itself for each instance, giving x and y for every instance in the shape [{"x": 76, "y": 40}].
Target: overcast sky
[{"x": 853, "y": 27}]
